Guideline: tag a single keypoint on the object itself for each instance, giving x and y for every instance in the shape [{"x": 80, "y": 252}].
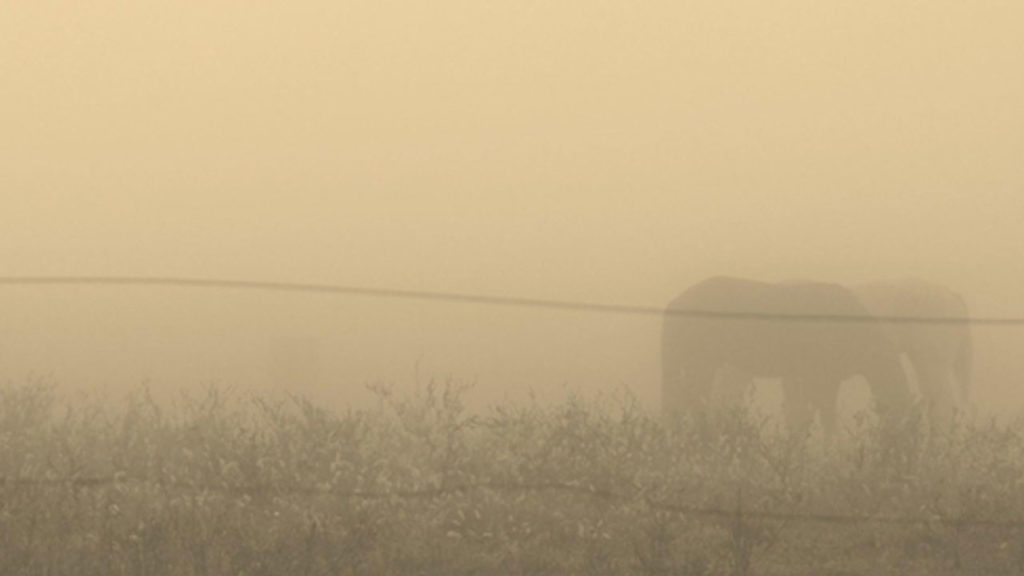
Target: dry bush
[{"x": 224, "y": 484}]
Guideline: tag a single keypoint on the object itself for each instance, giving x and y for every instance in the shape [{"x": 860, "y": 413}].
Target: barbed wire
[
  {"x": 512, "y": 301},
  {"x": 79, "y": 482}
]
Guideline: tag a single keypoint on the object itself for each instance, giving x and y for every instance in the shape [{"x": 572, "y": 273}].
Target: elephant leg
[
  {"x": 731, "y": 386},
  {"x": 687, "y": 393},
  {"x": 937, "y": 390},
  {"x": 796, "y": 406},
  {"x": 700, "y": 380},
  {"x": 826, "y": 402}
]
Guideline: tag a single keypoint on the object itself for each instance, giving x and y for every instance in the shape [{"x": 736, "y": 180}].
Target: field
[{"x": 230, "y": 484}]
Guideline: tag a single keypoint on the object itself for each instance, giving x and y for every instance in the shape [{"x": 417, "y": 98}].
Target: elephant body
[{"x": 810, "y": 355}]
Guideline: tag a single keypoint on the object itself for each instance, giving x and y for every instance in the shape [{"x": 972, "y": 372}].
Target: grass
[{"x": 223, "y": 484}]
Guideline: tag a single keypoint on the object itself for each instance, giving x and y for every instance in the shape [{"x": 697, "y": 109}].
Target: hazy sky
[{"x": 604, "y": 151}]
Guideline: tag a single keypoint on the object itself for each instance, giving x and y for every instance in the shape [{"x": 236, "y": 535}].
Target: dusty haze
[{"x": 591, "y": 151}]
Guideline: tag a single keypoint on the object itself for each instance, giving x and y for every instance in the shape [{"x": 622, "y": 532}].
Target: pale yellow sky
[{"x": 603, "y": 151}]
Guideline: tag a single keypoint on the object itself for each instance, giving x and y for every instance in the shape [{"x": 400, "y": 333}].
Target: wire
[
  {"x": 96, "y": 482},
  {"x": 514, "y": 301}
]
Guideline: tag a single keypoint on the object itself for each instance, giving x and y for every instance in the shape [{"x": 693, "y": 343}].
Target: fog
[{"x": 580, "y": 151}]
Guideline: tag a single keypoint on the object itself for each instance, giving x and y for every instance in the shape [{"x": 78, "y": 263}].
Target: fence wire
[
  {"x": 511, "y": 301},
  {"x": 519, "y": 488}
]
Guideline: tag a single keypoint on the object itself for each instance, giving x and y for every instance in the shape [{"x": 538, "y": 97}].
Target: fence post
[{"x": 742, "y": 544}]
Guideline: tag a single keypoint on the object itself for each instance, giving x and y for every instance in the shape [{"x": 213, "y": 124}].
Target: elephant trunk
[
  {"x": 672, "y": 402},
  {"x": 963, "y": 365}
]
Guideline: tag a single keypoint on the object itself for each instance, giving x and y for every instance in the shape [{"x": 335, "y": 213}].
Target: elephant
[
  {"x": 741, "y": 329},
  {"x": 941, "y": 355}
]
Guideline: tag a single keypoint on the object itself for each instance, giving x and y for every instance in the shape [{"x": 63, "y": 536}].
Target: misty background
[{"x": 591, "y": 151}]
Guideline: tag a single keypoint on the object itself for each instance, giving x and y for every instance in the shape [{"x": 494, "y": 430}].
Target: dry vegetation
[{"x": 226, "y": 485}]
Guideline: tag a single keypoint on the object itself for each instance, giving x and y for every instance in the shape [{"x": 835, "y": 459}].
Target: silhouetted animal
[
  {"x": 941, "y": 355},
  {"x": 779, "y": 338}
]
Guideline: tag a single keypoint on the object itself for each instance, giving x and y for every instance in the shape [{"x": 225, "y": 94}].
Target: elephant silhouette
[{"x": 811, "y": 335}]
